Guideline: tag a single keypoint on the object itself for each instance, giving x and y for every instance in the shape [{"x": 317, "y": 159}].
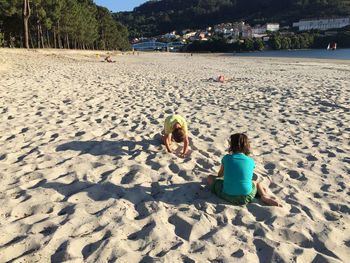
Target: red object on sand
[{"x": 220, "y": 79}]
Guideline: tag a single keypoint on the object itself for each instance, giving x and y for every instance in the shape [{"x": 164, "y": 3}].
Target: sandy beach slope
[{"x": 84, "y": 177}]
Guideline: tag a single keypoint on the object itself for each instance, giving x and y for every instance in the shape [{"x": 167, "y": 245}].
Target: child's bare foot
[{"x": 269, "y": 201}]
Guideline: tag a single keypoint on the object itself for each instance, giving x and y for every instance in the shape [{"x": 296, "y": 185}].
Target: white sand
[{"x": 84, "y": 177}]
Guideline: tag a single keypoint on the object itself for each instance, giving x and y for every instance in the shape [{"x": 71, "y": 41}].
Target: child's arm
[
  {"x": 167, "y": 138},
  {"x": 211, "y": 178},
  {"x": 185, "y": 147},
  {"x": 221, "y": 171}
]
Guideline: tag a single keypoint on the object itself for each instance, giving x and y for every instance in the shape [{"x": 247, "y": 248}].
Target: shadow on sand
[
  {"x": 112, "y": 148},
  {"x": 104, "y": 190},
  {"x": 120, "y": 148}
]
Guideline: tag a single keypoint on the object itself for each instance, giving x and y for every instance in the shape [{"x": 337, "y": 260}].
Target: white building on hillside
[
  {"x": 272, "y": 27},
  {"x": 220, "y": 28},
  {"x": 189, "y": 35},
  {"x": 323, "y": 24},
  {"x": 258, "y": 31},
  {"x": 171, "y": 35},
  {"x": 242, "y": 26},
  {"x": 247, "y": 33}
]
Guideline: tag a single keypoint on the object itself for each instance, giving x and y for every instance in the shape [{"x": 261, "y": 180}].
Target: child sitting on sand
[
  {"x": 234, "y": 181},
  {"x": 175, "y": 128}
]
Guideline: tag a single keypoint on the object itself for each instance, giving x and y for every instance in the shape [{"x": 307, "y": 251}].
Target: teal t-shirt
[{"x": 238, "y": 174}]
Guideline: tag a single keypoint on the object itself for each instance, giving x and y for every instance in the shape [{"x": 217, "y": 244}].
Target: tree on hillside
[
  {"x": 111, "y": 33},
  {"x": 26, "y": 15},
  {"x": 59, "y": 24}
]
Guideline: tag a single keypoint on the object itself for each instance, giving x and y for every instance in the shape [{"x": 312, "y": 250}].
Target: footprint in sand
[
  {"x": 144, "y": 209},
  {"x": 89, "y": 249},
  {"x": 331, "y": 216},
  {"x": 203, "y": 163},
  {"x": 293, "y": 174},
  {"x": 266, "y": 252},
  {"x": 270, "y": 167},
  {"x": 259, "y": 212},
  {"x": 79, "y": 133},
  {"x": 60, "y": 253},
  {"x": 24, "y": 130},
  {"x": 325, "y": 187},
  {"x": 185, "y": 176},
  {"x": 154, "y": 165},
  {"x": 3, "y": 156},
  {"x": 11, "y": 137},
  {"x": 114, "y": 135},
  {"x": 238, "y": 254},
  {"x": 311, "y": 158},
  {"x": 183, "y": 229},
  {"x": 143, "y": 233},
  {"x": 324, "y": 169},
  {"x": 54, "y": 136},
  {"x": 129, "y": 177},
  {"x": 174, "y": 168},
  {"x": 207, "y": 139}
]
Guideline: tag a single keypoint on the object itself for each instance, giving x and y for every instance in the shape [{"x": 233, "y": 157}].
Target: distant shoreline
[
  {"x": 301, "y": 53},
  {"x": 102, "y": 53}
]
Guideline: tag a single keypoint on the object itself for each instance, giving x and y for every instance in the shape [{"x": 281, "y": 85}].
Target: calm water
[{"x": 311, "y": 53}]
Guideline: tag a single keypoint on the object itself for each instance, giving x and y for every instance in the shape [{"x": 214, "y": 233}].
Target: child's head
[
  {"x": 178, "y": 135},
  {"x": 239, "y": 143}
]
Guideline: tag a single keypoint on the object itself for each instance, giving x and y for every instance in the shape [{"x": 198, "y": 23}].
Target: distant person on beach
[
  {"x": 334, "y": 46},
  {"x": 108, "y": 59},
  {"x": 234, "y": 182},
  {"x": 175, "y": 128}
]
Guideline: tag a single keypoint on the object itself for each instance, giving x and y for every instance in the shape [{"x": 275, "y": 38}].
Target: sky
[{"x": 120, "y": 5}]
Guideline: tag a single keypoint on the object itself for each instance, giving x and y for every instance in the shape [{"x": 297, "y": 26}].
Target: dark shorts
[{"x": 216, "y": 188}]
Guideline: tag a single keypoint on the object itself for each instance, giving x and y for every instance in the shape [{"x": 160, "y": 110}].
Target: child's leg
[
  {"x": 211, "y": 179},
  {"x": 267, "y": 200}
]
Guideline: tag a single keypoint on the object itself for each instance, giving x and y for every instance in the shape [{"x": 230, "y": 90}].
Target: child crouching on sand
[
  {"x": 175, "y": 128},
  {"x": 234, "y": 181}
]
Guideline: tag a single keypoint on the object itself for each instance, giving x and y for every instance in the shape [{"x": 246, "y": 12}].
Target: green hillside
[{"x": 158, "y": 17}]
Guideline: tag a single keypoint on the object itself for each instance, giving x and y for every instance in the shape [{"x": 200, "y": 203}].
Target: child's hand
[{"x": 183, "y": 155}]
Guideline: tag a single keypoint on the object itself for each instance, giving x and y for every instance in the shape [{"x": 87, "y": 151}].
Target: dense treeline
[
  {"x": 310, "y": 40},
  {"x": 158, "y": 17},
  {"x": 78, "y": 24},
  {"x": 221, "y": 44},
  {"x": 276, "y": 42}
]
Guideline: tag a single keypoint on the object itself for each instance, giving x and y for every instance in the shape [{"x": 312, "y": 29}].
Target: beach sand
[{"x": 85, "y": 178}]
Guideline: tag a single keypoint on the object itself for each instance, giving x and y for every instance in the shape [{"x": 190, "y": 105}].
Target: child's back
[{"x": 238, "y": 174}]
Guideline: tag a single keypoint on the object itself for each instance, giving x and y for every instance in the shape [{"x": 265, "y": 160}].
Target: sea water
[{"x": 341, "y": 53}]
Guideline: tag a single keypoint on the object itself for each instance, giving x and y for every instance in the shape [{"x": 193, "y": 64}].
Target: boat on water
[{"x": 329, "y": 46}]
